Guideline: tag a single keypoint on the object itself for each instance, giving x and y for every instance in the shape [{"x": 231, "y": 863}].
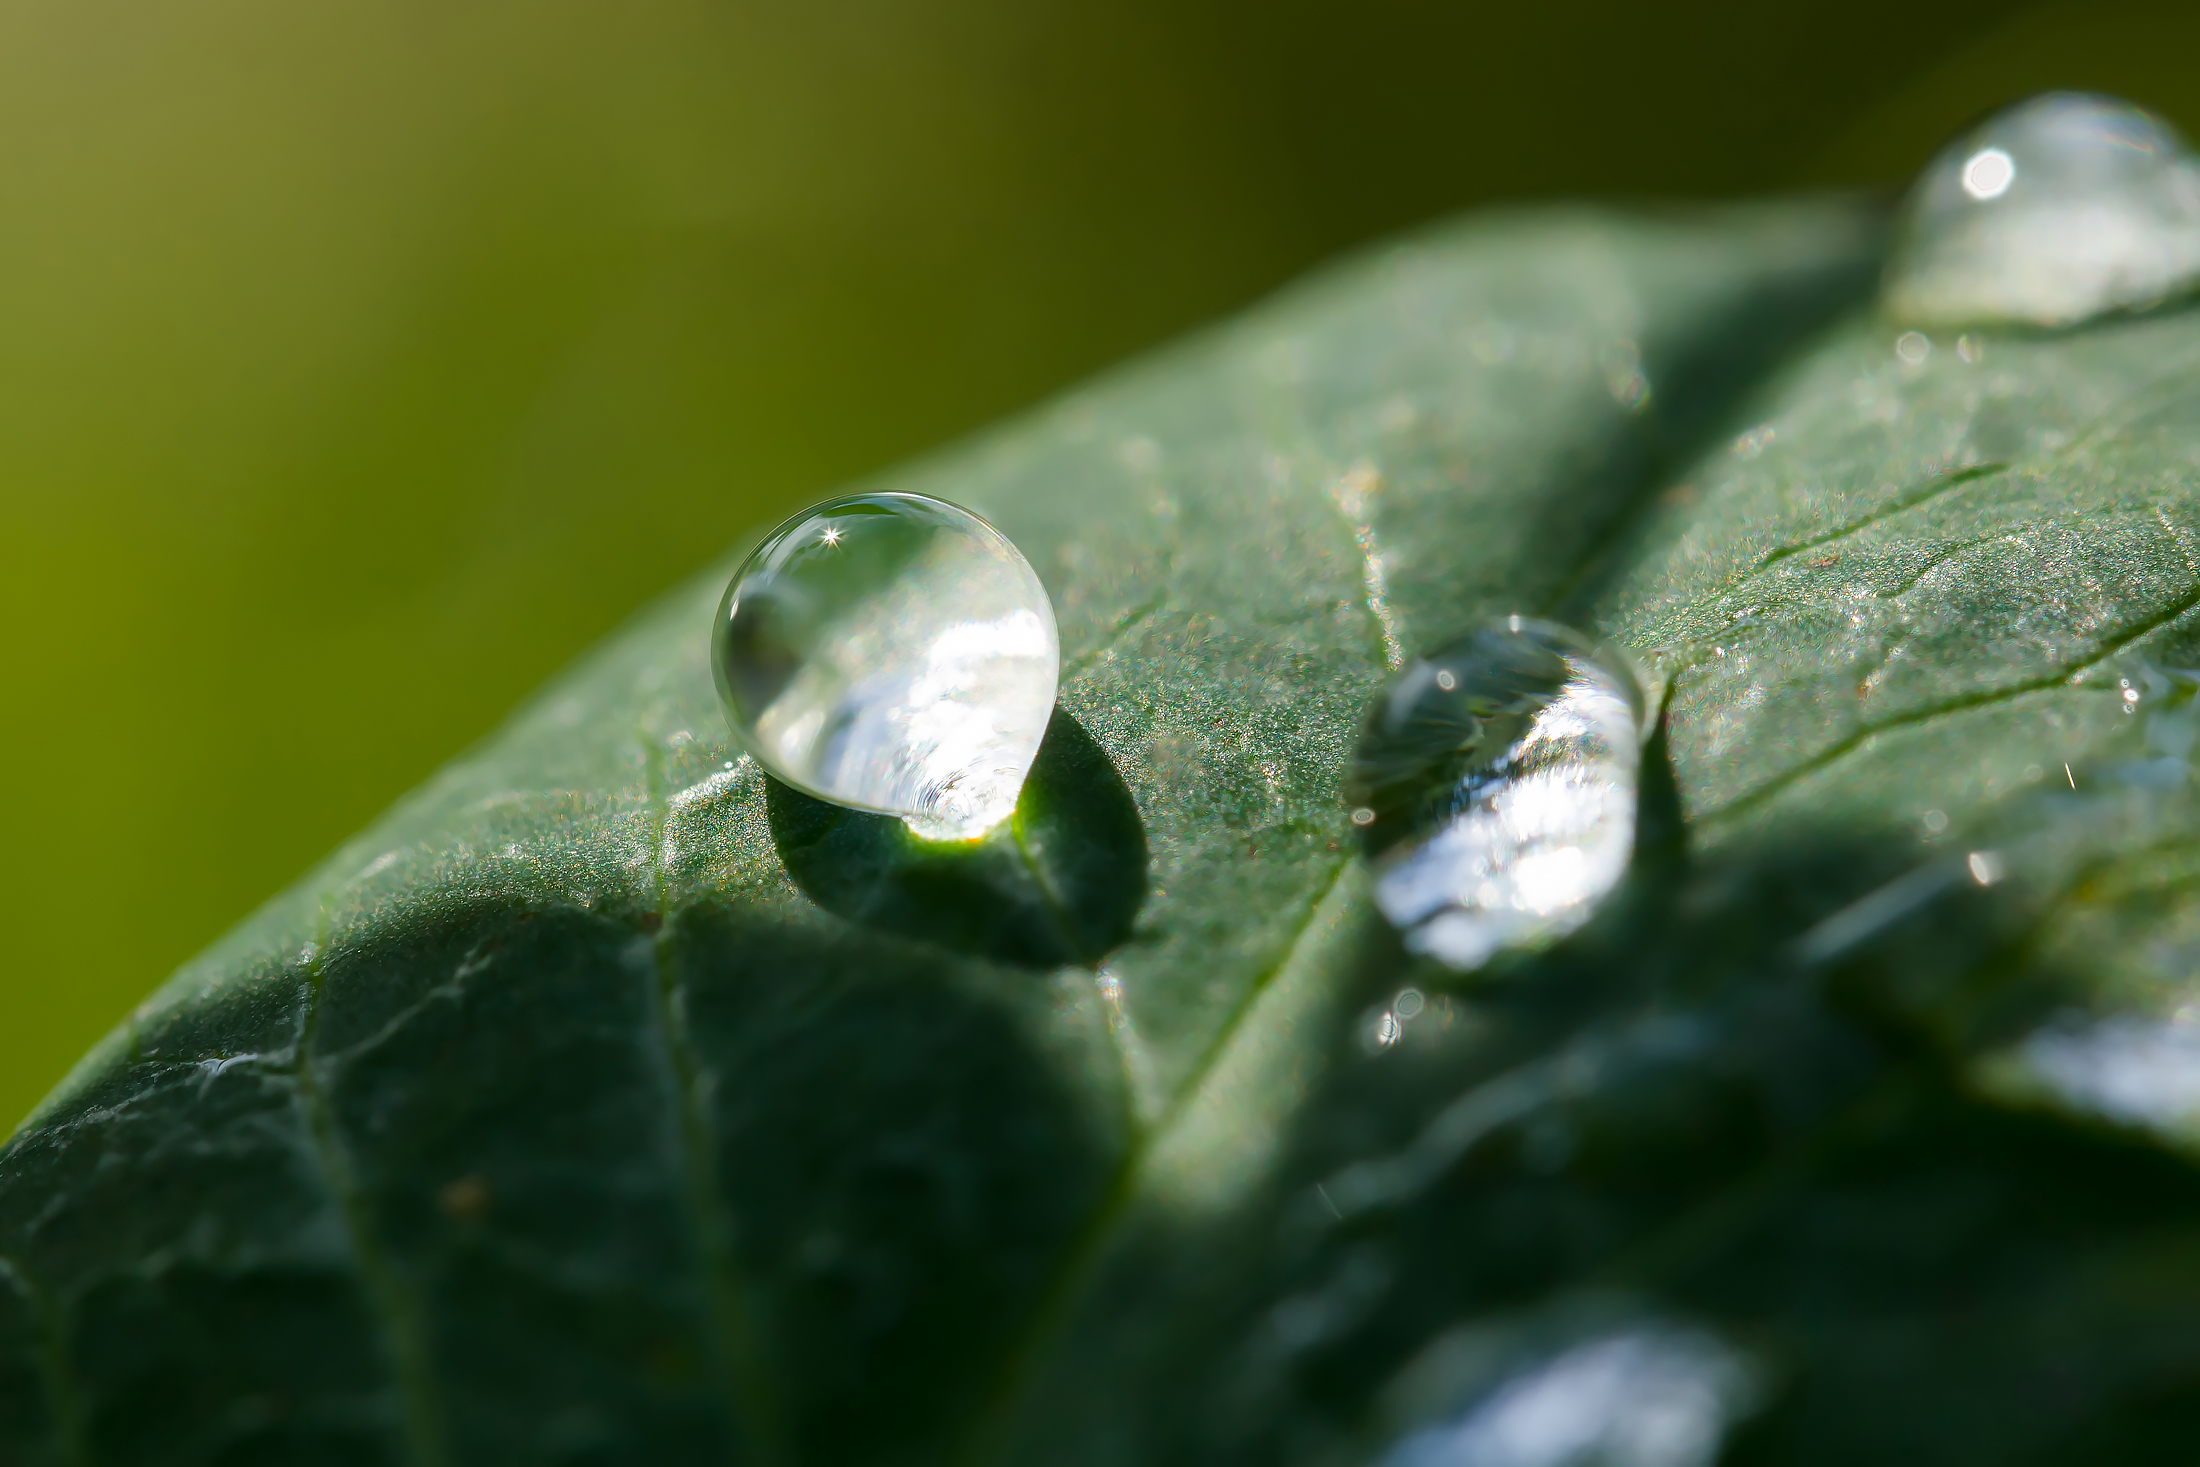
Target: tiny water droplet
[
  {"x": 1499, "y": 777},
  {"x": 1755, "y": 441},
  {"x": 894, "y": 653},
  {"x": 2059, "y": 209}
]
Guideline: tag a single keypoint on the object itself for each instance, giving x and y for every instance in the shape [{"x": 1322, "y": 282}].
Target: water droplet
[
  {"x": 893, "y": 653},
  {"x": 2057, "y": 210},
  {"x": 1502, "y": 796},
  {"x": 1650, "y": 1395},
  {"x": 2127, "y": 1067}
]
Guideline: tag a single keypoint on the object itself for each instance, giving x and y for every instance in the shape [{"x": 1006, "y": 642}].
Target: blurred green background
[{"x": 360, "y": 363}]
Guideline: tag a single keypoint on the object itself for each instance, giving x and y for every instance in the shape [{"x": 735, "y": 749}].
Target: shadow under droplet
[{"x": 1058, "y": 882}]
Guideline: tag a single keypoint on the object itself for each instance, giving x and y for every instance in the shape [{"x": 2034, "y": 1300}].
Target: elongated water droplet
[
  {"x": 894, "y": 653},
  {"x": 2059, "y": 209},
  {"x": 1495, "y": 788}
]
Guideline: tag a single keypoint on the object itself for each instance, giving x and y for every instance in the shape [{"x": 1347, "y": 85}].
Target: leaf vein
[
  {"x": 394, "y": 1306},
  {"x": 1841, "y": 748},
  {"x": 746, "y": 1382},
  {"x": 1909, "y": 499},
  {"x": 1085, "y": 1250}
]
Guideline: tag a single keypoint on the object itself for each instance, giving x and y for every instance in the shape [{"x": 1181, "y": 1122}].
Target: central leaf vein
[
  {"x": 394, "y": 1304},
  {"x": 1021, "y": 1361},
  {"x": 747, "y": 1382}
]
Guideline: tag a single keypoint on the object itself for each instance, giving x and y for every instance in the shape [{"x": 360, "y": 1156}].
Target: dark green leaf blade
[{"x": 550, "y": 1121}]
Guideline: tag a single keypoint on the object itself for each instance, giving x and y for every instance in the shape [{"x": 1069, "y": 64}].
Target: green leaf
[{"x": 606, "y": 1103}]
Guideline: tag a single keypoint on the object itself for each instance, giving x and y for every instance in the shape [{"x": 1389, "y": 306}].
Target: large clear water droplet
[
  {"x": 1495, "y": 784},
  {"x": 2059, "y": 209},
  {"x": 894, "y": 653}
]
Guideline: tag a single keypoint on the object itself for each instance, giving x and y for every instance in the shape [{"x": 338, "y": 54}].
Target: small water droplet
[
  {"x": 1501, "y": 802},
  {"x": 893, "y": 653},
  {"x": 1623, "y": 374},
  {"x": 2057, "y": 210},
  {"x": 1913, "y": 347}
]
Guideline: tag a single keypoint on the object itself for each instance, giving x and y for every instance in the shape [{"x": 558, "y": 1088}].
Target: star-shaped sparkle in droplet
[{"x": 830, "y": 535}]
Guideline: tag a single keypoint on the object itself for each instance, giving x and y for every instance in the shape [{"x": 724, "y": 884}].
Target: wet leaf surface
[{"x": 602, "y": 1104}]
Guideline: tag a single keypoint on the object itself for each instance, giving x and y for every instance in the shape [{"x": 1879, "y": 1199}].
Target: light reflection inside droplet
[{"x": 1988, "y": 173}]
